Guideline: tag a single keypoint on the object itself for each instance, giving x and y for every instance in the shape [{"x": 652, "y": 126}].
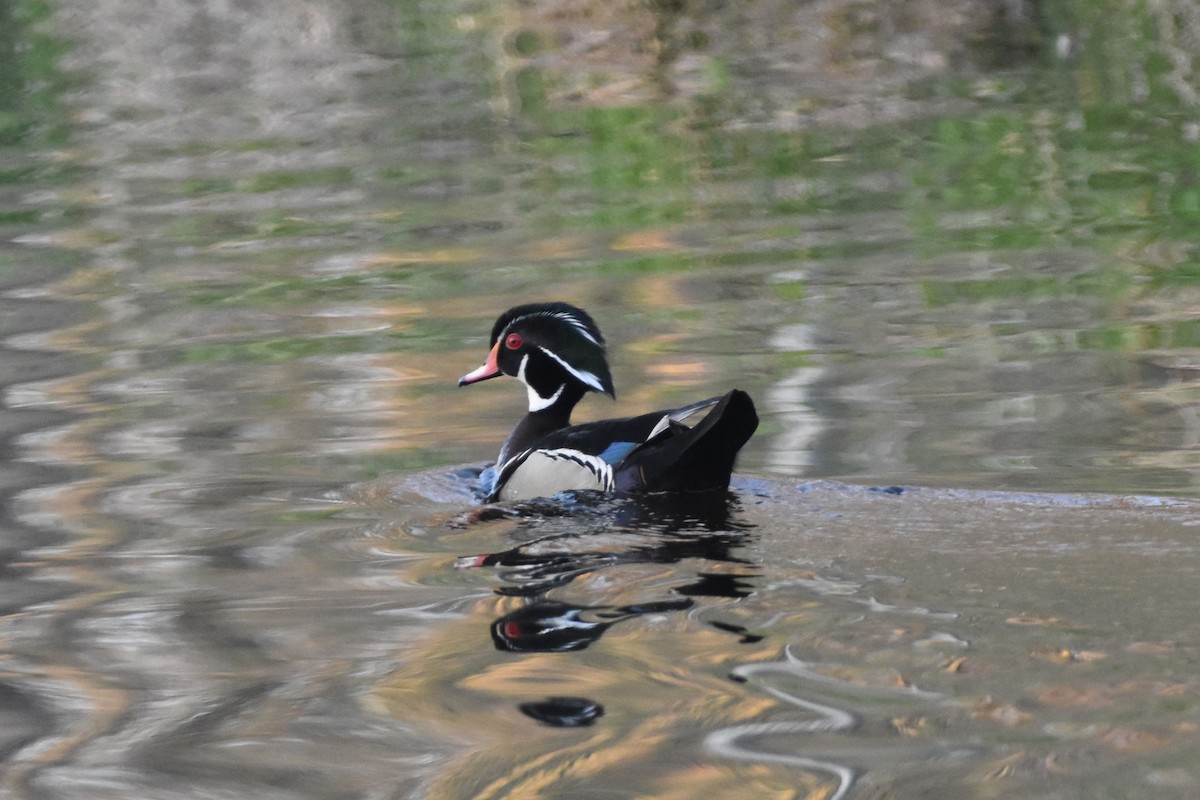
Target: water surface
[{"x": 245, "y": 253}]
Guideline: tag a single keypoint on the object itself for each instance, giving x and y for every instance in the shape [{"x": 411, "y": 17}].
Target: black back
[{"x": 692, "y": 459}]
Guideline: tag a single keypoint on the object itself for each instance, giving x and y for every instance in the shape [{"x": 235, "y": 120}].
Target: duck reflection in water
[
  {"x": 607, "y": 532},
  {"x": 548, "y": 626}
]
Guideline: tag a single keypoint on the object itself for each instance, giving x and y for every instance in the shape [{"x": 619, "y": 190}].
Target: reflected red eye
[{"x": 513, "y": 341}]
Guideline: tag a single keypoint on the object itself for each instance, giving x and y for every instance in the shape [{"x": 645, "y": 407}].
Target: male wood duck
[{"x": 557, "y": 351}]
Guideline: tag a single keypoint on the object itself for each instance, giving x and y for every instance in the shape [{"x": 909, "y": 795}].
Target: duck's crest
[{"x": 577, "y": 318}]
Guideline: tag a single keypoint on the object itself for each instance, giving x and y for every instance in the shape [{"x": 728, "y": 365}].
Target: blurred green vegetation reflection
[{"x": 810, "y": 203}]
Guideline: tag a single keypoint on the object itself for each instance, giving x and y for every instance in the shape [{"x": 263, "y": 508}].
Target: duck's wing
[{"x": 675, "y": 457}]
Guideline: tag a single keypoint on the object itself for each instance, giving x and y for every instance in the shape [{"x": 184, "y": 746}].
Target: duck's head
[{"x": 555, "y": 349}]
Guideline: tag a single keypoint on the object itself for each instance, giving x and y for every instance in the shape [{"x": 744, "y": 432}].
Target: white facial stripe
[{"x": 583, "y": 375}]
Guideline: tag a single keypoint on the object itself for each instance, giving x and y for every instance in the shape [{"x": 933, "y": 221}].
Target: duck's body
[{"x": 557, "y": 351}]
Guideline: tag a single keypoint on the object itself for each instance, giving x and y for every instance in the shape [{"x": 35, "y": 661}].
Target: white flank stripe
[
  {"x": 662, "y": 425},
  {"x": 545, "y": 473}
]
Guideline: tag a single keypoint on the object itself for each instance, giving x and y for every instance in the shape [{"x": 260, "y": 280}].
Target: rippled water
[{"x": 247, "y": 249}]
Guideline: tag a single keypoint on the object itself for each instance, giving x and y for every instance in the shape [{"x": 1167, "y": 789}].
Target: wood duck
[{"x": 557, "y": 351}]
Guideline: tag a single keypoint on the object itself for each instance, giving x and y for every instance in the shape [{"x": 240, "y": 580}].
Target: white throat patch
[{"x": 536, "y": 401}]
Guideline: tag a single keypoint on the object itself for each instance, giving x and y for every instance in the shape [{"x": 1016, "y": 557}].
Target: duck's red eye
[{"x": 513, "y": 341}]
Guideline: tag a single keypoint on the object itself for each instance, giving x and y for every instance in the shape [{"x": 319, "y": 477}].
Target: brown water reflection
[
  {"x": 893, "y": 652},
  {"x": 247, "y": 249}
]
